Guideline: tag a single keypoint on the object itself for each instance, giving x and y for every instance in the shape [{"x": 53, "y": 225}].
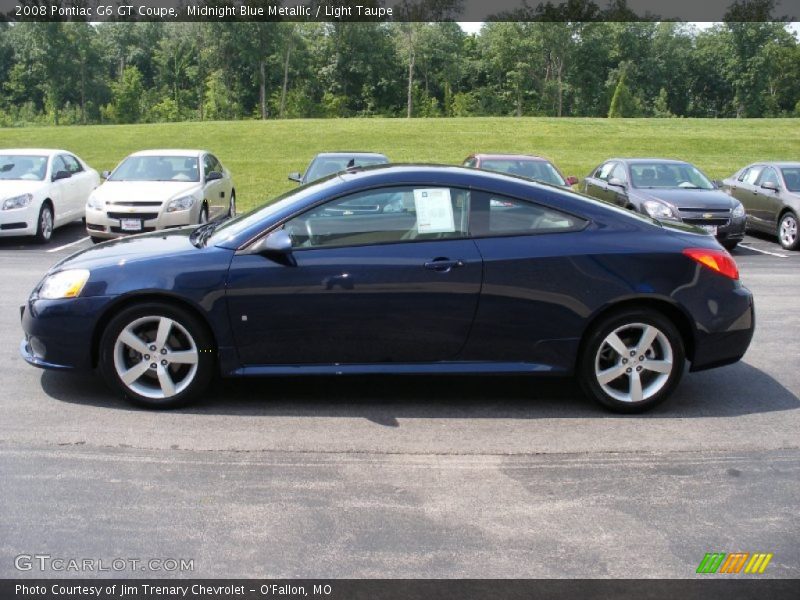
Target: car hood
[
  {"x": 14, "y": 187},
  {"x": 688, "y": 198},
  {"x": 144, "y": 191},
  {"x": 118, "y": 252}
]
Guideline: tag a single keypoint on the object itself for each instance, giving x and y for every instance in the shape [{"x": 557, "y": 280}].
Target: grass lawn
[{"x": 261, "y": 153}]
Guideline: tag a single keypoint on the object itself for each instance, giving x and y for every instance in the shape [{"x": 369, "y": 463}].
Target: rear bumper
[{"x": 730, "y": 337}]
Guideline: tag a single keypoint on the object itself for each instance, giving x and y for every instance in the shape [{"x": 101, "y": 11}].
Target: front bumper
[
  {"x": 59, "y": 333},
  {"x": 19, "y": 221},
  {"x": 733, "y": 231},
  {"x": 101, "y": 224}
]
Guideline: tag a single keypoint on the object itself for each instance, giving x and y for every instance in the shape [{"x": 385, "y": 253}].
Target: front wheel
[
  {"x": 203, "y": 214},
  {"x": 787, "y": 232},
  {"x": 729, "y": 246},
  {"x": 632, "y": 360},
  {"x": 44, "y": 225},
  {"x": 157, "y": 355}
]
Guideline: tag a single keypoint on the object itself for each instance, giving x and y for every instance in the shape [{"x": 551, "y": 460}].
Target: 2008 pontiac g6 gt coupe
[{"x": 468, "y": 272}]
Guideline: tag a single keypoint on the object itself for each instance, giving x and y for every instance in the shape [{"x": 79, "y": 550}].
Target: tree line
[{"x": 134, "y": 72}]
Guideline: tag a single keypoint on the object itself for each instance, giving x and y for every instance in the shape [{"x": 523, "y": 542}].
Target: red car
[{"x": 536, "y": 168}]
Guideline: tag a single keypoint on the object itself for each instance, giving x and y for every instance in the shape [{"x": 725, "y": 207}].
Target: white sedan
[
  {"x": 41, "y": 190},
  {"x": 158, "y": 189}
]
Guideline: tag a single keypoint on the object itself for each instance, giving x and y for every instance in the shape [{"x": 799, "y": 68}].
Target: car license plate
[
  {"x": 130, "y": 224},
  {"x": 712, "y": 229}
]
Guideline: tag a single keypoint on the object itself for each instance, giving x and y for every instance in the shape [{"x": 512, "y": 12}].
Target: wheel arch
[
  {"x": 675, "y": 314},
  {"x": 141, "y": 298}
]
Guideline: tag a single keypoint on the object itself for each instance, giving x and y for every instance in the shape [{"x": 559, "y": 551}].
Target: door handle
[{"x": 443, "y": 265}]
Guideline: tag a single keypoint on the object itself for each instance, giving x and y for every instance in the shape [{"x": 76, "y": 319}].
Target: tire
[
  {"x": 730, "y": 246},
  {"x": 625, "y": 330},
  {"x": 96, "y": 240},
  {"x": 232, "y": 205},
  {"x": 183, "y": 346},
  {"x": 203, "y": 214},
  {"x": 44, "y": 224},
  {"x": 788, "y": 232}
]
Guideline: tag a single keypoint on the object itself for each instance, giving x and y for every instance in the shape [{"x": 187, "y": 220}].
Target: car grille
[
  {"x": 135, "y": 203},
  {"x": 705, "y": 216},
  {"x": 137, "y": 215}
]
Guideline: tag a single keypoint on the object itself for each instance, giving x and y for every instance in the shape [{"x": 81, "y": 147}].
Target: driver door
[{"x": 375, "y": 277}]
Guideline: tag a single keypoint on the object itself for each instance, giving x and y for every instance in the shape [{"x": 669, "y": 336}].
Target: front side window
[
  {"x": 328, "y": 165},
  {"x": 384, "y": 215},
  {"x": 619, "y": 173},
  {"x": 71, "y": 163},
  {"x": 768, "y": 174},
  {"x": 500, "y": 215}
]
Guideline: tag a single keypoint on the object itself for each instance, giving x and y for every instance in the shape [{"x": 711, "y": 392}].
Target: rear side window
[{"x": 500, "y": 215}]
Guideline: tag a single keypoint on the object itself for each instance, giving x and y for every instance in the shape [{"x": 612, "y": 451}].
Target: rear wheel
[
  {"x": 632, "y": 360},
  {"x": 787, "y": 232},
  {"x": 44, "y": 224},
  {"x": 157, "y": 355}
]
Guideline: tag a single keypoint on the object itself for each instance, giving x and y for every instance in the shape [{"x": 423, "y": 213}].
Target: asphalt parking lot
[{"x": 406, "y": 477}]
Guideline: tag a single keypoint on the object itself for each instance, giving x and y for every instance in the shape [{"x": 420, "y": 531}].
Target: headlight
[
  {"x": 659, "y": 210},
  {"x": 184, "y": 203},
  {"x": 64, "y": 284},
  {"x": 94, "y": 203},
  {"x": 17, "y": 202},
  {"x": 738, "y": 212}
]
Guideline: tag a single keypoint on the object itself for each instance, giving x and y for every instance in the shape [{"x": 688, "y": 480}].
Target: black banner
[
  {"x": 403, "y": 589},
  {"x": 399, "y": 10}
]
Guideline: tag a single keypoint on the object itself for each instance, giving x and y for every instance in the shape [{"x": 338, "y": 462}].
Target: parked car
[
  {"x": 669, "y": 190},
  {"x": 328, "y": 163},
  {"x": 41, "y": 189},
  {"x": 158, "y": 189},
  {"x": 770, "y": 193},
  {"x": 545, "y": 282},
  {"x": 522, "y": 165}
]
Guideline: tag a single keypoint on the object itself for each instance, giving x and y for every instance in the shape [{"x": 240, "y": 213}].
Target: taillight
[{"x": 716, "y": 260}]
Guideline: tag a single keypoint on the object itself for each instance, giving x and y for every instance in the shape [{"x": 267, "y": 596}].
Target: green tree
[{"x": 127, "y": 94}]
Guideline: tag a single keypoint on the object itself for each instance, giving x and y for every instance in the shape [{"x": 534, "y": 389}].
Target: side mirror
[
  {"x": 213, "y": 176},
  {"x": 62, "y": 175},
  {"x": 572, "y": 180},
  {"x": 105, "y": 174},
  {"x": 277, "y": 245},
  {"x": 770, "y": 185},
  {"x": 616, "y": 182},
  {"x": 296, "y": 177}
]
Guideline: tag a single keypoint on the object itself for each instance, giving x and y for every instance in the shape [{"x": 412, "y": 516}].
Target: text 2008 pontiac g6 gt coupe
[{"x": 469, "y": 272}]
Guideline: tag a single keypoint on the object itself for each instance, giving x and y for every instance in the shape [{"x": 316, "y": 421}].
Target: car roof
[
  {"x": 666, "y": 161},
  {"x": 345, "y": 153},
  {"x": 33, "y": 151},
  {"x": 779, "y": 163},
  {"x": 169, "y": 152},
  {"x": 530, "y": 157}
]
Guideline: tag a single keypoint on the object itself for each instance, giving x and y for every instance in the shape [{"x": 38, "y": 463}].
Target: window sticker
[{"x": 434, "y": 210}]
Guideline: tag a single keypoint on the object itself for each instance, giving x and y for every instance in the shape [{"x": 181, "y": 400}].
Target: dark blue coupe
[{"x": 463, "y": 271}]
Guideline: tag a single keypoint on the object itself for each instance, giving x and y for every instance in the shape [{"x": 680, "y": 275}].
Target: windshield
[
  {"x": 668, "y": 175},
  {"x": 233, "y": 227},
  {"x": 791, "y": 175},
  {"x": 539, "y": 170},
  {"x": 157, "y": 168},
  {"x": 327, "y": 165},
  {"x": 23, "y": 166}
]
